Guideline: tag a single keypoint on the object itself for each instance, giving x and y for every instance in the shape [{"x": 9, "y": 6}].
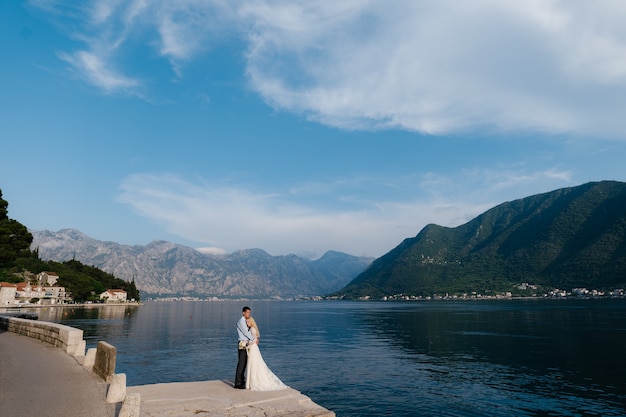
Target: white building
[
  {"x": 56, "y": 295},
  {"x": 44, "y": 295},
  {"x": 7, "y": 294},
  {"x": 114, "y": 296},
  {"x": 27, "y": 292},
  {"x": 47, "y": 278}
]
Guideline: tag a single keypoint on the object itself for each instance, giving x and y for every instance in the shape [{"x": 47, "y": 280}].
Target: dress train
[{"x": 260, "y": 377}]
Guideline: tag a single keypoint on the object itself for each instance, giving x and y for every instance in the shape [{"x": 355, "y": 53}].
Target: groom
[{"x": 245, "y": 338}]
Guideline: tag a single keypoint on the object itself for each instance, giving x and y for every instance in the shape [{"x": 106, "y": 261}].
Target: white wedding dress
[{"x": 260, "y": 377}]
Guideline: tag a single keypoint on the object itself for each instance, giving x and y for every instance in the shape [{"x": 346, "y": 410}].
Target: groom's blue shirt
[{"x": 243, "y": 331}]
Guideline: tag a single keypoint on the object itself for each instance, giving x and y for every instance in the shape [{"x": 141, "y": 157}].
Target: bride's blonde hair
[{"x": 253, "y": 324}]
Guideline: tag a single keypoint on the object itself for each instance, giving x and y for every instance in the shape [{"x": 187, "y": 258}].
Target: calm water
[{"x": 483, "y": 358}]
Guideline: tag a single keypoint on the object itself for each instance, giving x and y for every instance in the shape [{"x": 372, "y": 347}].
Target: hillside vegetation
[
  {"x": 18, "y": 262},
  {"x": 571, "y": 237}
]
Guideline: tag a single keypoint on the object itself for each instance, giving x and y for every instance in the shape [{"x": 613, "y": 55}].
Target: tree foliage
[
  {"x": 83, "y": 282},
  {"x": 15, "y": 239}
]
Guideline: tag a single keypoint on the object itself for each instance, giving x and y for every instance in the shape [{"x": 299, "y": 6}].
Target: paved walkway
[
  {"x": 38, "y": 380},
  {"x": 220, "y": 399}
]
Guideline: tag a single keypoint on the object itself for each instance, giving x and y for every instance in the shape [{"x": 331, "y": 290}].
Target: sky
[{"x": 301, "y": 127}]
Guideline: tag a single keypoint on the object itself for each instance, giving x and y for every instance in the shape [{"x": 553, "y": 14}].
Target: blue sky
[{"x": 299, "y": 127}]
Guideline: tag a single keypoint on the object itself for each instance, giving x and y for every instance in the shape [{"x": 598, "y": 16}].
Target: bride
[{"x": 259, "y": 378}]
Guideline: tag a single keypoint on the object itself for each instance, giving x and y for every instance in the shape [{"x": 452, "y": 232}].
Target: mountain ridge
[{"x": 162, "y": 268}]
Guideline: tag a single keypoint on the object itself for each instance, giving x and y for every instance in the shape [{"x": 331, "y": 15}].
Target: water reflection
[
  {"x": 104, "y": 312},
  {"x": 98, "y": 322},
  {"x": 586, "y": 337},
  {"x": 541, "y": 356}
]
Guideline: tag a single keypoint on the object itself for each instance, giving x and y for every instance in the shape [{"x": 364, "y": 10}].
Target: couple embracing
[{"x": 259, "y": 376}]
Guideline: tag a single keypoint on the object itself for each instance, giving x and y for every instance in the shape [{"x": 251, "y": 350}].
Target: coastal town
[
  {"x": 524, "y": 290},
  {"x": 44, "y": 290},
  {"x": 554, "y": 293}
]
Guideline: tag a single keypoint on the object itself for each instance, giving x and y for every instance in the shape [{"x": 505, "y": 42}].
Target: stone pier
[
  {"x": 39, "y": 379},
  {"x": 220, "y": 399}
]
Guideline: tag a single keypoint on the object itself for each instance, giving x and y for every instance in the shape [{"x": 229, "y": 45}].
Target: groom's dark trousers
[{"x": 240, "y": 380}]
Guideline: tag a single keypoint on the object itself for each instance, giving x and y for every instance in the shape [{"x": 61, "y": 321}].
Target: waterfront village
[
  {"x": 531, "y": 291},
  {"x": 44, "y": 290}
]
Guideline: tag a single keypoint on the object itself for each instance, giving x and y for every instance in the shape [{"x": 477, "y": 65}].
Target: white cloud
[
  {"x": 433, "y": 67},
  {"x": 185, "y": 28},
  {"x": 282, "y": 222},
  {"x": 212, "y": 251},
  {"x": 103, "y": 10},
  {"x": 438, "y": 67},
  {"x": 96, "y": 72},
  {"x": 107, "y": 29}
]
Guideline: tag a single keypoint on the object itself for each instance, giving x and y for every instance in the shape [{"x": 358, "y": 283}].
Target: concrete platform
[
  {"x": 220, "y": 399},
  {"x": 37, "y": 379}
]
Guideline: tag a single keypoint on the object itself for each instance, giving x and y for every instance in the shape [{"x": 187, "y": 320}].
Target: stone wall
[
  {"x": 67, "y": 338},
  {"x": 101, "y": 360}
]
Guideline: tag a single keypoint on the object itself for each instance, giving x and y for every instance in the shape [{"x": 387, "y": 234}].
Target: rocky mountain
[
  {"x": 571, "y": 237},
  {"x": 166, "y": 269}
]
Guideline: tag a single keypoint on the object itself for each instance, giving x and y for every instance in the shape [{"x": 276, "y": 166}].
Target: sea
[{"x": 415, "y": 358}]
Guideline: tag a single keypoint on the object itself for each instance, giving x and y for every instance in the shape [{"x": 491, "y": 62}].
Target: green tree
[
  {"x": 15, "y": 239},
  {"x": 4, "y": 205}
]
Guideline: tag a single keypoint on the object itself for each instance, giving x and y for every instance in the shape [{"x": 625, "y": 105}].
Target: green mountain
[{"x": 571, "y": 237}]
